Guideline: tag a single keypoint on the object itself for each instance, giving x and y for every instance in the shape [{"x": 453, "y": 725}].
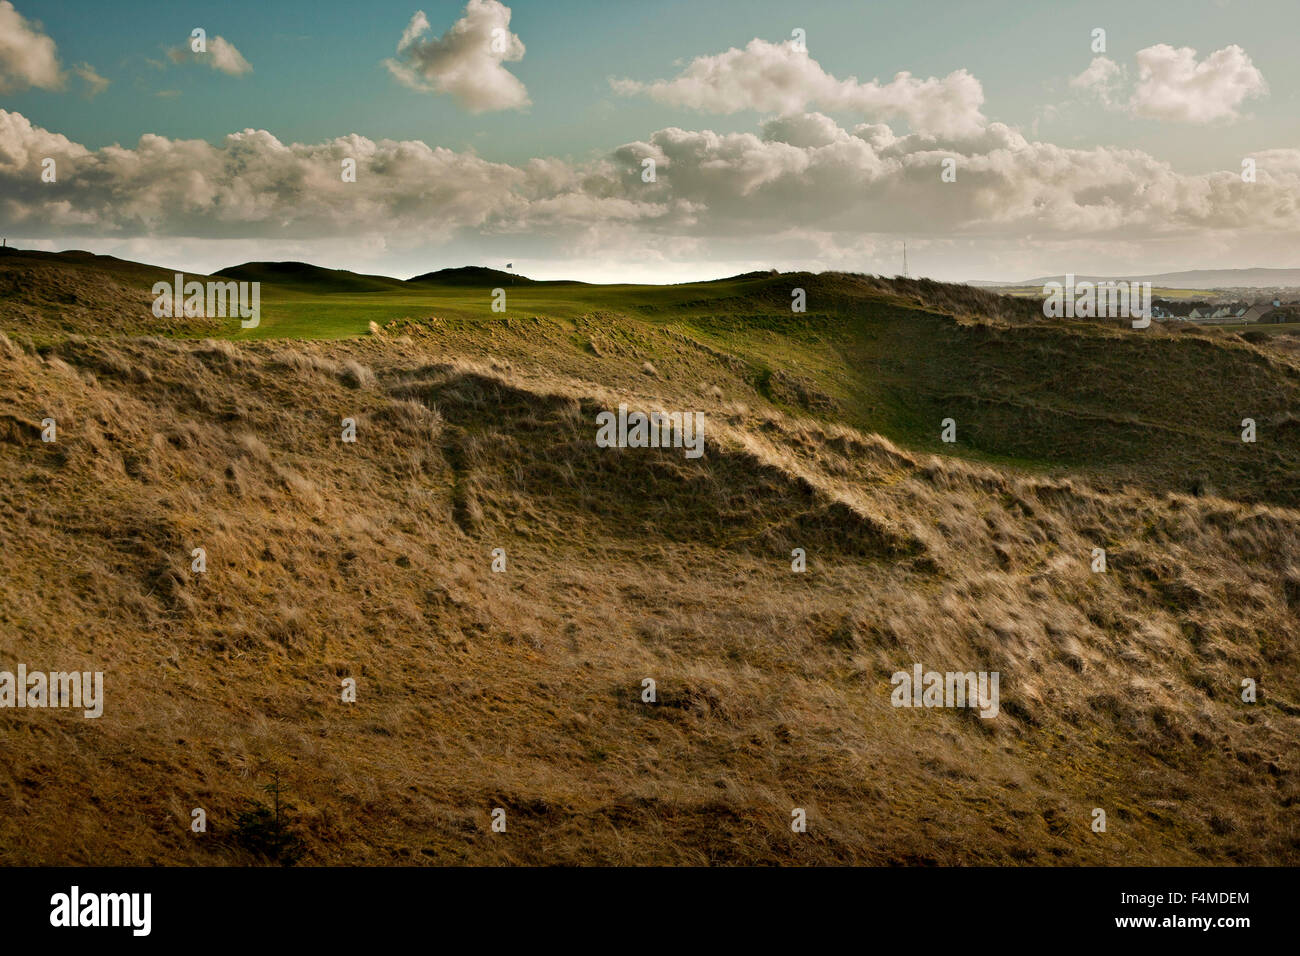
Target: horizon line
[{"x": 509, "y": 271}]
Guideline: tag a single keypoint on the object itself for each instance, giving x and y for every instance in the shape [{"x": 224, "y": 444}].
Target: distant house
[{"x": 1256, "y": 313}]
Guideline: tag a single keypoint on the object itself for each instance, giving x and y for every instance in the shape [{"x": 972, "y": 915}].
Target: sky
[{"x": 656, "y": 141}]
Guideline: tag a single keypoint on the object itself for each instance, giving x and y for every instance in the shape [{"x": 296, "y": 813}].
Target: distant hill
[
  {"x": 310, "y": 278},
  {"x": 82, "y": 260},
  {"x": 48, "y": 295},
  {"x": 470, "y": 276},
  {"x": 1194, "y": 279}
]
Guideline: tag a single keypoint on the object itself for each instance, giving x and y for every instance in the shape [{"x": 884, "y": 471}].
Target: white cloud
[
  {"x": 1103, "y": 78},
  {"x": 227, "y": 59},
  {"x": 220, "y": 54},
  {"x": 23, "y": 146},
  {"x": 779, "y": 78},
  {"x": 95, "y": 84},
  {"x": 1173, "y": 86},
  {"x": 27, "y": 56},
  {"x": 466, "y": 60}
]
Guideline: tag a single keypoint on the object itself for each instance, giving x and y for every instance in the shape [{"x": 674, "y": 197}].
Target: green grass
[{"x": 290, "y": 312}]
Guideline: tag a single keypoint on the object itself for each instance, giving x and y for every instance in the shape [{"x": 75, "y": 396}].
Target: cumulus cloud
[
  {"x": 782, "y": 78},
  {"x": 1172, "y": 85},
  {"x": 464, "y": 62},
  {"x": 220, "y": 54},
  {"x": 27, "y": 56},
  {"x": 1103, "y": 78}
]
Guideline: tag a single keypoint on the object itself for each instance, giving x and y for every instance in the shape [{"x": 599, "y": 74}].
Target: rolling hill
[
  {"x": 308, "y": 278},
  {"x": 475, "y": 276},
  {"x": 522, "y": 688}
]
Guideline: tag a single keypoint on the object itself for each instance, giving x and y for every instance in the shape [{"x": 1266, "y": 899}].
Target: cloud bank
[{"x": 801, "y": 188}]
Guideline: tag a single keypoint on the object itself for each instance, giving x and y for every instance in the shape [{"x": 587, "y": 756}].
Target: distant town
[
  {"x": 1226, "y": 306},
  {"x": 1224, "y": 309}
]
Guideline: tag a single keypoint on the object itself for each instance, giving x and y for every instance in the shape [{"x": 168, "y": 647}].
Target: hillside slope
[
  {"x": 48, "y": 296},
  {"x": 473, "y": 276},
  {"x": 522, "y": 689}
]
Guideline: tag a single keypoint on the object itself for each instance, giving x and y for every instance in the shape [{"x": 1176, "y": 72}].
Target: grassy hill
[
  {"x": 474, "y": 276},
  {"x": 312, "y": 280},
  {"x": 47, "y": 296},
  {"x": 522, "y": 689}
]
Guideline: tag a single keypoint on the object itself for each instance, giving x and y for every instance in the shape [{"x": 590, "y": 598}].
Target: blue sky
[
  {"x": 318, "y": 66},
  {"x": 318, "y": 73}
]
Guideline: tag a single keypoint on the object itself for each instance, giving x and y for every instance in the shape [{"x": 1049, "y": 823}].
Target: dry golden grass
[
  {"x": 49, "y": 295},
  {"x": 522, "y": 689}
]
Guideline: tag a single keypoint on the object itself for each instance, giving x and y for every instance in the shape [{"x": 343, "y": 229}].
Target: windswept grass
[{"x": 522, "y": 690}]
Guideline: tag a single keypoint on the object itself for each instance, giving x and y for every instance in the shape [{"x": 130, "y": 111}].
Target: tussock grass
[{"x": 521, "y": 689}]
